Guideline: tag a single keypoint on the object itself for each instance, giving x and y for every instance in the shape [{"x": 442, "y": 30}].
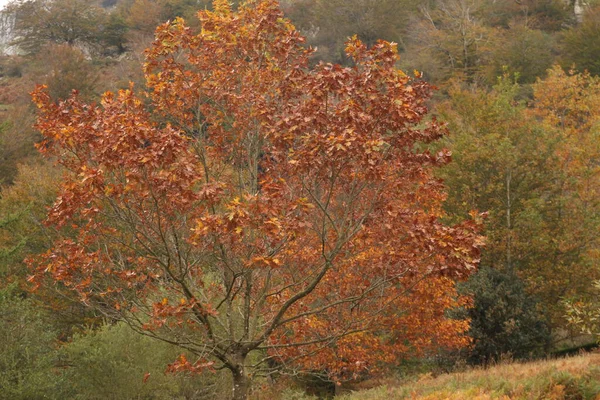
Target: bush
[
  {"x": 505, "y": 320},
  {"x": 114, "y": 362},
  {"x": 27, "y": 349}
]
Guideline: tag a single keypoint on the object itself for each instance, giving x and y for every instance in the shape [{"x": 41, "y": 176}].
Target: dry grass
[{"x": 570, "y": 378}]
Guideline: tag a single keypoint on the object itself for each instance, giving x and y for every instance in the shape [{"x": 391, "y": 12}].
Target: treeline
[
  {"x": 520, "y": 94},
  {"x": 471, "y": 40}
]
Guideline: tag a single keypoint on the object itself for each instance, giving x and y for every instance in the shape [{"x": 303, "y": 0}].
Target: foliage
[
  {"x": 531, "y": 164},
  {"x": 505, "y": 320},
  {"x": 16, "y": 142},
  {"x": 567, "y": 103},
  {"x": 22, "y": 210},
  {"x": 143, "y": 16},
  {"x": 337, "y": 20},
  {"x": 544, "y": 15},
  {"x": 584, "y": 314},
  {"x": 113, "y": 35},
  {"x": 501, "y": 160},
  {"x": 39, "y": 22},
  {"x": 523, "y": 51},
  {"x": 453, "y": 38},
  {"x": 63, "y": 69},
  {"x": 27, "y": 349},
  {"x": 113, "y": 362},
  {"x": 580, "y": 44},
  {"x": 262, "y": 205},
  {"x": 532, "y": 179}
]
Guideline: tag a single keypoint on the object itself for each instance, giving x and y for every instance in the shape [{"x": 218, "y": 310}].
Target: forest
[{"x": 265, "y": 199}]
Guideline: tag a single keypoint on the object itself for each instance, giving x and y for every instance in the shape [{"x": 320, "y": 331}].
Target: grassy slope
[{"x": 570, "y": 378}]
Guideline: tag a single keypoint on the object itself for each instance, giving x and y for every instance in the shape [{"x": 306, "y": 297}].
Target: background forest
[{"x": 518, "y": 89}]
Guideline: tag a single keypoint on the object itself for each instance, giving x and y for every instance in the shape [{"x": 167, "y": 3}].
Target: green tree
[
  {"x": 568, "y": 104},
  {"x": 17, "y": 138},
  {"x": 71, "y": 22},
  {"x": 508, "y": 163},
  {"x": 535, "y": 171},
  {"x": 524, "y": 51},
  {"x": 114, "y": 34},
  {"x": 544, "y": 15},
  {"x": 334, "y": 21},
  {"x": 23, "y": 209},
  {"x": 580, "y": 45}
]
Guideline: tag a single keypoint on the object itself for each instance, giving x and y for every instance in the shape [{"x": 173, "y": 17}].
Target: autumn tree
[
  {"x": 567, "y": 103},
  {"x": 258, "y": 205}
]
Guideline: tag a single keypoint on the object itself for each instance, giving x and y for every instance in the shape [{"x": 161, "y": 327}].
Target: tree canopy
[{"x": 258, "y": 204}]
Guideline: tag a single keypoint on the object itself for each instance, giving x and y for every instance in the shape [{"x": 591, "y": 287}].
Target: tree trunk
[{"x": 241, "y": 383}]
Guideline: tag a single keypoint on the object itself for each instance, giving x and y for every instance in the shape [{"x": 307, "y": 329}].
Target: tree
[
  {"x": 39, "y": 22},
  {"x": 145, "y": 15},
  {"x": 63, "y": 69},
  {"x": 113, "y": 35},
  {"x": 583, "y": 313},
  {"x": 523, "y": 51},
  {"x": 259, "y": 206},
  {"x": 545, "y": 15},
  {"x": 566, "y": 103},
  {"x": 337, "y": 20},
  {"x": 22, "y": 209},
  {"x": 16, "y": 141},
  {"x": 534, "y": 171},
  {"x": 580, "y": 44},
  {"x": 451, "y": 39},
  {"x": 502, "y": 162}
]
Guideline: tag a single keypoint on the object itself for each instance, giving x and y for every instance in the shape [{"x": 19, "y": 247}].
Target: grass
[{"x": 574, "y": 378}]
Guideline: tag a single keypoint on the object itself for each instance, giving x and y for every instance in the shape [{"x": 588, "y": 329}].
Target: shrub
[{"x": 504, "y": 318}]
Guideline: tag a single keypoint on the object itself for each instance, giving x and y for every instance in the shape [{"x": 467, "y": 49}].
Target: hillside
[{"x": 569, "y": 378}]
